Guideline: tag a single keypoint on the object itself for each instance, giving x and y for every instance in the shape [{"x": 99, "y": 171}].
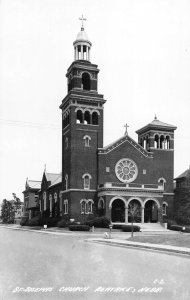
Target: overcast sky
[{"x": 142, "y": 48}]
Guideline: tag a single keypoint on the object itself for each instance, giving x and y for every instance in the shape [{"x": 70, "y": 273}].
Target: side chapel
[{"x": 106, "y": 179}]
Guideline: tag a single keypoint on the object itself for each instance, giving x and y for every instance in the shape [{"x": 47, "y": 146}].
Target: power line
[{"x": 29, "y": 124}]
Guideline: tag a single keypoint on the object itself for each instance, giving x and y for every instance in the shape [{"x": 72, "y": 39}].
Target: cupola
[{"x": 82, "y": 45}]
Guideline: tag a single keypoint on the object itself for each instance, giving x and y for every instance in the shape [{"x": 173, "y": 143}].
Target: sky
[{"x": 142, "y": 48}]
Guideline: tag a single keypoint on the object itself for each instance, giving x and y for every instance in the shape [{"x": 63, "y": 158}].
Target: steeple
[{"x": 82, "y": 45}]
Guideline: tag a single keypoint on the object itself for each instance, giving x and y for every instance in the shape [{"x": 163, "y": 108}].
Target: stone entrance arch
[
  {"x": 135, "y": 210},
  {"x": 118, "y": 205},
  {"x": 151, "y": 208}
]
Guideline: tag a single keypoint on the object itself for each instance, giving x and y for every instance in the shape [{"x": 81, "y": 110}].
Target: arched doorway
[
  {"x": 118, "y": 211},
  {"x": 134, "y": 211},
  {"x": 151, "y": 212}
]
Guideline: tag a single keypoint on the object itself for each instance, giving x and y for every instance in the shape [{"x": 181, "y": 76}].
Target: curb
[{"x": 154, "y": 247}]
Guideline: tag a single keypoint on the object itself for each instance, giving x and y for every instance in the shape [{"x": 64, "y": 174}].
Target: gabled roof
[
  {"x": 184, "y": 174},
  {"x": 34, "y": 184},
  {"x": 57, "y": 180},
  {"x": 51, "y": 176},
  {"x": 122, "y": 140},
  {"x": 156, "y": 124}
]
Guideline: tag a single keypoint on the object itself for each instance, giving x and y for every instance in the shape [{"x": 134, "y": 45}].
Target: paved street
[{"x": 31, "y": 260}]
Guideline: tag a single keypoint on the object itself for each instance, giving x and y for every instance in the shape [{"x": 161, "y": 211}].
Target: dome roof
[{"x": 82, "y": 35}]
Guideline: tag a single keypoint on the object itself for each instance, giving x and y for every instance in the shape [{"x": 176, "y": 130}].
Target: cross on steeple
[
  {"x": 126, "y": 131},
  {"x": 82, "y": 19}
]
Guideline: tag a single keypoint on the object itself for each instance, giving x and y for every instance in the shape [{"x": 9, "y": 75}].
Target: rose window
[{"x": 126, "y": 170}]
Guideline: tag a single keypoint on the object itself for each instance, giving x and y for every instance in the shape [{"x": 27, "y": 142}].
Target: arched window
[
  {"x": 156, "y": 141},
  {"x": 87, "y": 117},
  {"x": 60, "y": 202},
  {"x": 87, "y": 178},
  {"x": 83, "y": 206},
  {"x": 95, "y": 118},
  {"x": 86, "y": 81},
  {"x": 65, "y": 209},
  {"x": 50, "y": 204},
  {"x": 87, "y": 139},
  {"x": 55, "y": 197},
  {"x": 164, "y": 208},
  {"x": 147, "y": 143},
  {"x": 66, "y": 182},
  {"x": 79, "y": 117},
  {"x": 101, "y": 203},
  {"x": 162, "y": 181},
  {"x": 162, "y": 142},
  {"x": 167, "y": 142},
  {"x": 89, "y": 208},
  {"x": 44, "y": 198}
]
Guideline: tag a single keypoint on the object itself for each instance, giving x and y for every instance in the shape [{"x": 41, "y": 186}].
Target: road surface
[{"x": 43, "y": 266}]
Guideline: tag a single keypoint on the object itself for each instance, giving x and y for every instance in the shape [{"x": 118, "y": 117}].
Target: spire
[{"x": 82, "y": 45}]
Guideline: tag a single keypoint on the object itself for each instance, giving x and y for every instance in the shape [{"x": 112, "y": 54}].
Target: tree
[
  {"x": 134, "y": 211},
  {"x": 6, "y": 211},
  {"x": 17, "y": 201}
]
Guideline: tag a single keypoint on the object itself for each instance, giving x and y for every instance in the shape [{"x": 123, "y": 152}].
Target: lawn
[{"x": 178, "y": 240}]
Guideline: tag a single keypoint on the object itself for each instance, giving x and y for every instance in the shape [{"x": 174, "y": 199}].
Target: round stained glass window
[{"x": 126, "y": 170}]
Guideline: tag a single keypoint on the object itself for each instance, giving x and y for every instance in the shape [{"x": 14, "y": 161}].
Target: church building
[{"x": 106, "y": 180}]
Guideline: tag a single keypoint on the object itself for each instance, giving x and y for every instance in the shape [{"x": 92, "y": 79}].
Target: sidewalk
[{"x": 117, "y": 238}]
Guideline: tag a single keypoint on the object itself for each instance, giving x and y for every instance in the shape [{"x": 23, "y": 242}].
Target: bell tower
[{"x": 82, "y": 126}]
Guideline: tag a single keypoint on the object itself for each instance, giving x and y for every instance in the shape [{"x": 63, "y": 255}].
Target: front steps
[{"x": 148, "y": 227}]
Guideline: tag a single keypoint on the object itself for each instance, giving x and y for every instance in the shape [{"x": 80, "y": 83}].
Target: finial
[
  {"x": 44, "y": 168},
  {"x": 126, "y": 131},
  {"x": 155, "y": 117},
  {"x": 82, "y": 19}
]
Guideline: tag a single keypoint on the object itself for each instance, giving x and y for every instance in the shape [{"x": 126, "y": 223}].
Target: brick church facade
[{"x": 106, "y": 180}]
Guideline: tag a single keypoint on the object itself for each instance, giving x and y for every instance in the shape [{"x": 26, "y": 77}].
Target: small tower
[
  {"x": 82, "y": 127},
  {"x": 156, "y": 135}
]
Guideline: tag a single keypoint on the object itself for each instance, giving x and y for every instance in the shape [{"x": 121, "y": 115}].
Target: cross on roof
[
  {"x": 126, "y": 131},
  {"x": 82, "y": 19}
]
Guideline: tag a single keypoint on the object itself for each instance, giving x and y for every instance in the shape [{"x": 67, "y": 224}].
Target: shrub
[
  {"x": 79, "y": 227},
  {"x": 118, "y": 226},
  {"x": 62, "y": 223},
  {"x": 23, "y": 221},
  {"x": 128, "y": 228},
  {"x": 171, "y": 223},
  {"x": 100, "y": 222},
  {"x": 51, "y": 222},
  {"x": 187, "y": 229},
  {"x": 176, "y": 227},
  {"x": 11, "y": 221},
  {"x": 36, "y": 221}
]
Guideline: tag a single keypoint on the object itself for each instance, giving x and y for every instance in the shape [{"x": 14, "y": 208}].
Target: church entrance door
[
  {"x": 118, "y": 211},
  {"x": 151, "y": 212}
]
